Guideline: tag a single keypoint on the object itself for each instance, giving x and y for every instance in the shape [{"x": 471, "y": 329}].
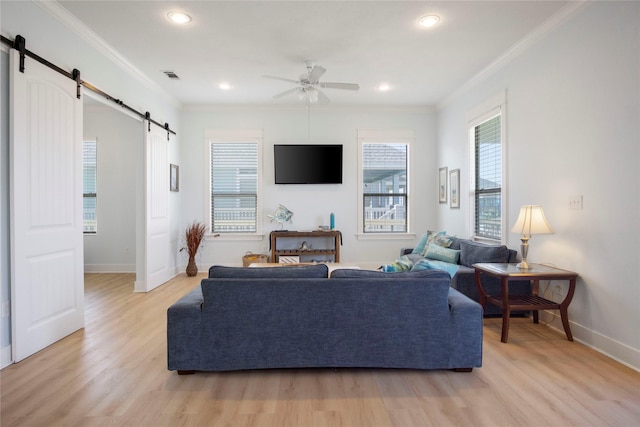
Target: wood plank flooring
[{"x": 114, "y": 373}]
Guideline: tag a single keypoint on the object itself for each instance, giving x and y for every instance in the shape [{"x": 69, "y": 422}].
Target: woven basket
[{"x": 250, "y": 258}]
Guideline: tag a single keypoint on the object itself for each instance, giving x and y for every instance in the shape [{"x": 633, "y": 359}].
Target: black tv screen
[{"x": 308, "y": 164}]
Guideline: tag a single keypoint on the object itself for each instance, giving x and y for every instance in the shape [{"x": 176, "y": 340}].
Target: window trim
[
  {"x": 398, "y": 136},
  {"x": 233, "y": 136},
  {"x": 495, "y": 106}
]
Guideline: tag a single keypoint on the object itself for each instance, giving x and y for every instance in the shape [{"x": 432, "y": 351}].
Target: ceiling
[{"x": 364, "y": 42}]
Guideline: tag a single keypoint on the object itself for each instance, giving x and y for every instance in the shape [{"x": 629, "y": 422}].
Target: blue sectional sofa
[
  {"x": 298, "y": 317},
  {"x": 469, "y": 253}
]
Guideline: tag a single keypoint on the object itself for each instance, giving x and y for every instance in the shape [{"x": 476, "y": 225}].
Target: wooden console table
[
  {"x": 295, "y": 238},
  {"x": 507, "y": 272}
]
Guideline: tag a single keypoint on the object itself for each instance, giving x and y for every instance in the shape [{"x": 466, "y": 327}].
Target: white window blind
[
  {"x": 234, "y": 187},
  {"x": 488, "y": 179},
  {"x": 89, "y": 186},
  {"x": 384, "y": 187}
]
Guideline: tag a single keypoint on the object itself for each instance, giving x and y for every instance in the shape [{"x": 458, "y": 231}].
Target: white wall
[
  {"x": 573, "y": 109},
  {"x": 119, "y": 136},
  {"x": 46, "y": 36},
  {"x": 311, "y": 204}
]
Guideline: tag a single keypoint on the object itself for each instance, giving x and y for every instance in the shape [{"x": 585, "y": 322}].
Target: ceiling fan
[{"x": 309, "y": 85}]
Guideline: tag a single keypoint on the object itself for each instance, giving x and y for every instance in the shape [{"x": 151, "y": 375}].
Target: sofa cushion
[
  {"x": 295, "y": 272},
  {"x": 357, "y": 274},
  {"x": 474, "y": 252},
  {"x": 439, "y": 253}
]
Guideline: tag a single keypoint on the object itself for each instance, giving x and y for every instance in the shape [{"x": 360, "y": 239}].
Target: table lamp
[{"x": 530, "y": 221}]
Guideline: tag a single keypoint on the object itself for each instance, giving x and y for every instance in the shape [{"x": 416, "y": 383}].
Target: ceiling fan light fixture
[
  {"x": 225, "y": 86},
  {"x": 313, "y": 95},
  {"x": 179, "y": 17},
  {"x": 429, "y": 20}
]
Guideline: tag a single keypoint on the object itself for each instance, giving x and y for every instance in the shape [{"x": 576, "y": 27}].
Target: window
[
  {"x": 234, "y": 196},
  {"x": 487, "y": 172},
  {"x": 383, "y": 183},
  {"x": 89, "y": 184}
]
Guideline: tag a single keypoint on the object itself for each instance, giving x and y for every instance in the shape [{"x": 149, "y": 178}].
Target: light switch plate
[{"x": 575, "y": 203}]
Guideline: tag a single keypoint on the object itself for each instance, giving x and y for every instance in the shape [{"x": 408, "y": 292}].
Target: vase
[{"x": 192, "y": 268}]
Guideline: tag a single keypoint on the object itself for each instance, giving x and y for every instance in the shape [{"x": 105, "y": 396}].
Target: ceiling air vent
[{"x": 172, "y": 75}]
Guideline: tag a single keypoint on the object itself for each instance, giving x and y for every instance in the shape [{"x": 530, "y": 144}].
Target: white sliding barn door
[
  {"x": 47, "y": 271},
  {"x": 156, "y": 266}
]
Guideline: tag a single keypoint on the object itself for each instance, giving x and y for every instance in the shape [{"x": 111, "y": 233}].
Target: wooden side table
[
  {"x": 331, "y": 250},
  {"x": 533, "y": 302}
]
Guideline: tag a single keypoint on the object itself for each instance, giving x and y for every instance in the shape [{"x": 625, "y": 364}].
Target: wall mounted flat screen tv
[{"x": 307, "y": 164}]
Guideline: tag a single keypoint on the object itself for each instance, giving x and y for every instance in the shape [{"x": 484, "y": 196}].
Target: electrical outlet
[{"x": 575, "y": 203}]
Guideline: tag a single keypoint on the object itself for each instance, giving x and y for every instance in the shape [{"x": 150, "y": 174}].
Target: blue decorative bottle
[{"x": 332, "y": 221}]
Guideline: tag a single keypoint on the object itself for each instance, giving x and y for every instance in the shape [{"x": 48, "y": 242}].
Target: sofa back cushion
[
  {"x": 318, "y": 271},
  {"x": 323, "y": 322},
  {"x": 357, "y": 274},
  {"x": 475, "y": 252}
]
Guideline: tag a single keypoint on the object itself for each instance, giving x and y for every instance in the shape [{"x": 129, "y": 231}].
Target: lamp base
[{"x": 524, "y": 248}]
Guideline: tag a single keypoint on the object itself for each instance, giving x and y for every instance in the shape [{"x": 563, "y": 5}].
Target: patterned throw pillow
[
  {"x": 439, "y": 239},
  {"x": 403, "y": 263}
]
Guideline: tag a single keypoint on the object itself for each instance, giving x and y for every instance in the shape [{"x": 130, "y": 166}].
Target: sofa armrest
[
  {"x": 183, "y": 331},
  {"x": 466, "y": 330},
  {"x": 405, "y": 251}
]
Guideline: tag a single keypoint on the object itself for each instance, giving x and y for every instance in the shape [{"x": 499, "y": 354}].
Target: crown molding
[
  {"x": 533, "y": 37},
  {"x": 54, "y": 9},
  {"x": 347, "y": 108}
]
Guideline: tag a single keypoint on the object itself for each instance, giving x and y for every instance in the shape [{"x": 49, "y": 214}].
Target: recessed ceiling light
[
  {"x": 225, "y": 86},
  {"x": 179, "y": 17},
  {"x": 383, "y": 87},
  {"x": 429, "y": 20}
]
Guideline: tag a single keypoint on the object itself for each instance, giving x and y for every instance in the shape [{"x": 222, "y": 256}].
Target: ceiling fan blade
[
  {"x": 333, "y": 85},
  {"x": 316, "y": 73},
  {"x": 322, "y": 97},
  {"x": 281, "y": 78},
  {"x": 286, "y": 92}
]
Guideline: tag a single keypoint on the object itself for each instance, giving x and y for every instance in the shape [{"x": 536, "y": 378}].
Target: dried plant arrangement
[{"x": 193, "y": 238}]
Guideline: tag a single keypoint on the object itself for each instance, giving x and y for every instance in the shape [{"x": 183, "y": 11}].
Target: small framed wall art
[
  {"x": 454, "y": 189},
  {"x": 442, "y": 185},
  {"x": 174, "y": 177}
]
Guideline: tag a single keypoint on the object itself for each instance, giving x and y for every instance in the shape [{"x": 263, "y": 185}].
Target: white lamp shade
[{"x": 531, "y": 220}]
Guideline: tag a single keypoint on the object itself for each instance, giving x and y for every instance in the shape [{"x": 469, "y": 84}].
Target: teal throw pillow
[
  {"x": 431, "y": 264},
  {"x": 439, "y": 253},
  {"x": 421, "y": 244}
]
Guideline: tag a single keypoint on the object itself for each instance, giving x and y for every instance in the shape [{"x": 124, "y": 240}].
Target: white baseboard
[
  {"x": 617, "y": 351},
  {"x": 109, "y": 268},
  {"x": 5, "y": 357}
]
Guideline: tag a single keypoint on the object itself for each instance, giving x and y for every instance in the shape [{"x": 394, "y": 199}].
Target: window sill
[
  {"x": 386, "y": 236},
  {"x": 234, "y": 237}
]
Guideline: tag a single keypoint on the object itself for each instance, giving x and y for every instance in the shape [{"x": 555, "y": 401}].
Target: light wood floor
[{"x": 113, "y": 373}]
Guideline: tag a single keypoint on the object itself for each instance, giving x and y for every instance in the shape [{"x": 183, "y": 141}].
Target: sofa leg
[
  {"x": 463, "y": 369},
  {"x": 187, "y": 372}
]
